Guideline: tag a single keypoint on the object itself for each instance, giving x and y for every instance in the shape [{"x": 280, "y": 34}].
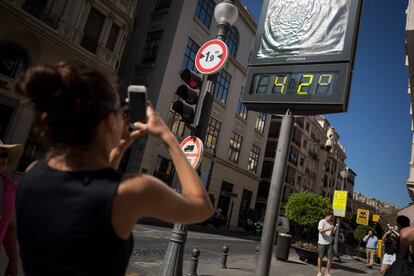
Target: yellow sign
[
  {"x": 362, "y": 216},
  {"x": 375, "y": 218},
  {"x": 339, "y": 203}
]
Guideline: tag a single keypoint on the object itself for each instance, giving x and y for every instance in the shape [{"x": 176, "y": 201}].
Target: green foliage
[
  {"x": 306, "y": 208},
  {"x": 361, "y": 231}
]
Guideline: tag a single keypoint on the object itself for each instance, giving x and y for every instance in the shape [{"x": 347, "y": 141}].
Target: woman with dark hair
[{"x": 75, "y": 212}]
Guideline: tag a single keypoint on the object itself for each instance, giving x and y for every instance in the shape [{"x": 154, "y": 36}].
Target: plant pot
[{"x": 307, "y": 255}]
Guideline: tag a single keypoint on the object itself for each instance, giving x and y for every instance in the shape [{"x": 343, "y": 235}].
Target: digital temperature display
[
  {"x": 305, "y": 87},
  {"x": 303, "y": 83}
]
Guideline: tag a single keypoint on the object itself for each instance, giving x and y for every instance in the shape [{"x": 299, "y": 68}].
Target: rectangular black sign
[{"x": 303, "y": 57}]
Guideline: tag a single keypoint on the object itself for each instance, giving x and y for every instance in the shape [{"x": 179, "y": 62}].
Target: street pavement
[{"x": 151, "y": 243}]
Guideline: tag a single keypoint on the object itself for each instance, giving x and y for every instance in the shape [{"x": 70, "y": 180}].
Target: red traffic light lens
[{"x": 191, "y": 79}]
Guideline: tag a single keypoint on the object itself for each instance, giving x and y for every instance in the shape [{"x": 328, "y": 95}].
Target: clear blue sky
[{"x": 376, "y": 130}]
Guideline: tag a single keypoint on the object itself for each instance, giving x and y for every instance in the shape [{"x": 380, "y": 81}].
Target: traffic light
[{"x": 188, "y": 95}]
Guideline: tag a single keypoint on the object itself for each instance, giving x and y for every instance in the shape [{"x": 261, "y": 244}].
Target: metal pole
[
  {"x": 338, "y": 221},
  {"x": 275, "y": 197},
  {"x": 172, "y": 264},
  {"x": 173, "y": 259}
]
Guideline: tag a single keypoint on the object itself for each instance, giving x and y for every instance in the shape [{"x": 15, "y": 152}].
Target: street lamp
[
  {"x": 226, "y": 14},
  {"x": 344, "y": 174}
]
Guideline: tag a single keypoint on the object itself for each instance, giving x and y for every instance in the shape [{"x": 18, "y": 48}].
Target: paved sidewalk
[{"x": 246, "y": 266}]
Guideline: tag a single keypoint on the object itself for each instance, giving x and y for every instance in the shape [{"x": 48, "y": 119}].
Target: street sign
[
  {"x": 376, "y": 218},
  {"x": 339, "y": 203},
  {"x": 211, "y": 57},
  {"x": 362, "y": 217},
  {"x": 193, "y": 149},
  {"x": 303, "y": 57}
]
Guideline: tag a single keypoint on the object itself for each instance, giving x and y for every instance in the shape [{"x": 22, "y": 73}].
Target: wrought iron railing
[{"x": 41, "y": 12}]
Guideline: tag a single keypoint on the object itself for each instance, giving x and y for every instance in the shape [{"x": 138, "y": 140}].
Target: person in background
[
  {"x": 325, "y": 242},
  {"x": 8, "y": 187},
  {"x": 390, "y": 240},
  {"x": 406, "y": 243},
  {"x": 75, "y": 211},
  {"x": 371, "y": 247}
]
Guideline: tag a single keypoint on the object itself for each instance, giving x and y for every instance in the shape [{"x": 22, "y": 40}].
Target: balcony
[{"x": 39, "y": 10}]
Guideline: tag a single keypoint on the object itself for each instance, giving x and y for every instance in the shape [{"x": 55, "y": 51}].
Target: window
[
  {"x": 242, "y": 109},
  {"x": 232, "y": 41},
  {"x": 152, "y": 43},
  {"x": 44, "y": 11},
  {"x": 274, "y": 129},
  {"x": 290, "y": 175},
  {"x": 204, "y": 12},
  {"x": 162, "y": 4},
  {"x": 189, "y": 56},
  {"x": 177, "y": 126},
  {"x": 213, "y": 132},
  {"x": 222, "y": 87},
  {"x": 13, "y": 60},
  {"x": 254, "y": 159},
  {"x": 267, "y": 169},
  {"x": 92, "y": 30},
  {"x": 235, "y": 147},
  {"x": 164, "y": 170},
  {"x": 260, "y": 122},
  {"x": 294, "y": 156},
  {"x": 297, "y": 136},
  {"x": 271, "y": 149},
  {"x": 113, "y": 36}
]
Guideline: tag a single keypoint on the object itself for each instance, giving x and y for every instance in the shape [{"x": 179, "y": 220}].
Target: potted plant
[
  {"x": 306, "y": 209},
  {"x": 307, "y": 251}
]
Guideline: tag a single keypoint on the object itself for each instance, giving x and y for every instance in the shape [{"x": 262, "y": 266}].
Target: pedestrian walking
[
  {"x": 325, "y": 242},
  {"x": 8, "y": 187},
  {"x": 371, "y": 247},
  {"x": 75, "y": 211},
  {"x": 390, "y": 240}
]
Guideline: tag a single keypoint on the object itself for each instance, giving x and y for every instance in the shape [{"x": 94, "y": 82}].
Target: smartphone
[{"x": 137, "y": 101}]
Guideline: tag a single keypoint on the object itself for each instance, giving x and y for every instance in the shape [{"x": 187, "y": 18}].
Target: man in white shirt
[{"x": 325, "y": 242}]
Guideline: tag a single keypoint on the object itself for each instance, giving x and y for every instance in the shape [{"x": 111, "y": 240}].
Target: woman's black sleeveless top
[{"x": 64, "y": 223}]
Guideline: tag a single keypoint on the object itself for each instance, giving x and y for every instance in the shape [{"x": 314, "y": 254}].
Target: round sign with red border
[
  {"x": 211, "y": 57},
  {"x": 193, "y": 149}
]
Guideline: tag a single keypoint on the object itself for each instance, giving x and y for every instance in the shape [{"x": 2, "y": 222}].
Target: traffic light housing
[{"x": 188, "y": 96}]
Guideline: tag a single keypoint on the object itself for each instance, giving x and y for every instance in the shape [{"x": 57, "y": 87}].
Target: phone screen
[{"x": 137, "y": 107}]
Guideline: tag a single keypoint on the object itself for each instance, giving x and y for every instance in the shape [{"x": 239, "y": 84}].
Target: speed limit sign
[{"x": 211, "y": 57}]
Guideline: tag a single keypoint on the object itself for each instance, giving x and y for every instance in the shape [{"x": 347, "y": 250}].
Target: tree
[
  {"x": 361, "y": 231},
  {"x": 306, "y": 209}
]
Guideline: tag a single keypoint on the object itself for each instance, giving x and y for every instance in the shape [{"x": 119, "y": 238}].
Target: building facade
[
  {"x": 44, "y": 31},
  {"x": 314, "y": 164},
  {"x": 165, "y": 40}
]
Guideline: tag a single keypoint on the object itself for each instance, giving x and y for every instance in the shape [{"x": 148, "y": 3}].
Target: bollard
[
  {"x": 194, "y": 262},
  {"x": 257, "y": 251},
  {"x": 224, "y": 253}
]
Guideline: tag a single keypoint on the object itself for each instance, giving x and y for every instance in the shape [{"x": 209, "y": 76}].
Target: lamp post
[
  {"x": 226, "y": 14},
  {"x": 344, "y": 174}
]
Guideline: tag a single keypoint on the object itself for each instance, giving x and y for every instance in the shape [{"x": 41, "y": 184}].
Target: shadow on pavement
[
  {"x": 349, "y": 269},
  {"x": 292, "y": 262}
]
